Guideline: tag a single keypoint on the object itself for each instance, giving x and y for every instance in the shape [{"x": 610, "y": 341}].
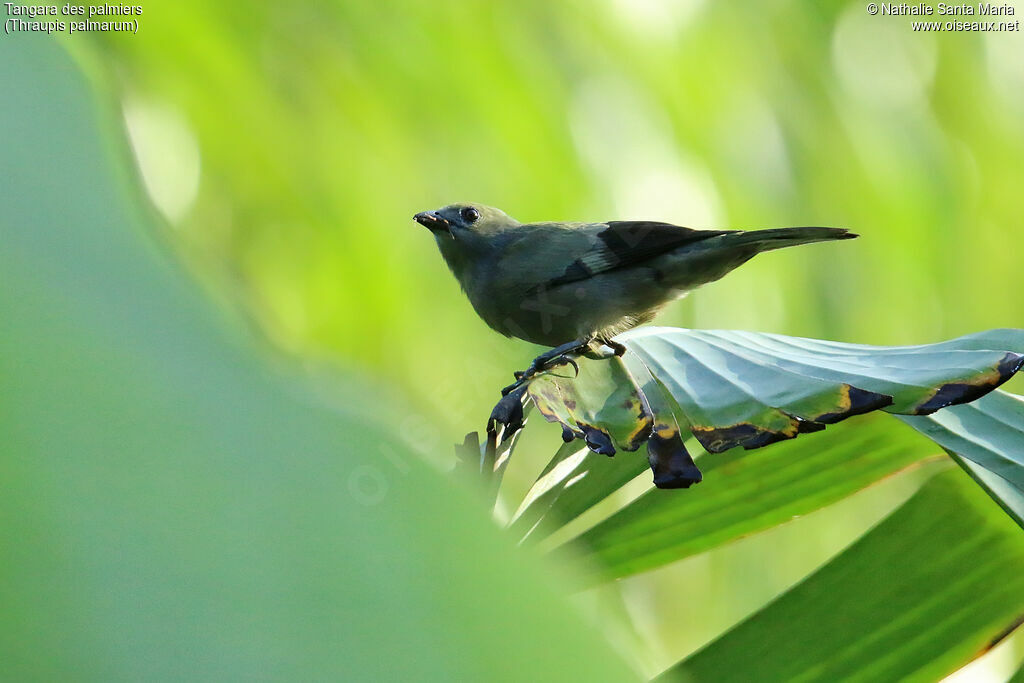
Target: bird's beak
[{"x": 433, "y": 221}]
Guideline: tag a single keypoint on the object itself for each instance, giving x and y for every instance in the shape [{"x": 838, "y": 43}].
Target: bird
[{"x": 570, "y": 285}]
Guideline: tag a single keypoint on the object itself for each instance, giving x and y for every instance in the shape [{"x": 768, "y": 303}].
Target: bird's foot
[
  {"x": 563, "y": 360},
  {"x": 522, "y": 377},
  {"x": 560, "y": 355},
  {"x": 512, "y": 387}
]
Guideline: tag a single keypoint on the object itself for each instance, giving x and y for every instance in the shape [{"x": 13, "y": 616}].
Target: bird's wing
[{"x": 595, "y": 248}]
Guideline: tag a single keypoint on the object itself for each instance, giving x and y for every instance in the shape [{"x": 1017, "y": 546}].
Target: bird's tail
[{"x": 777, "y": 238}]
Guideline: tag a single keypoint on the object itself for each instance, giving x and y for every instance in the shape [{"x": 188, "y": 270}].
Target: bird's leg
[
  {"x": 564, "y": 359},
  {"x": 615, "y": 346},
  {"x": 545, "y": 359},
  {"x": 556, "y": 356}
]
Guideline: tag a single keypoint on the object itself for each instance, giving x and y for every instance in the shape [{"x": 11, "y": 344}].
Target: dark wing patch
[{"x": 627, "y": 243}]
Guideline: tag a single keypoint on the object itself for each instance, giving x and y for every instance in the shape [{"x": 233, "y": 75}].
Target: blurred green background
[{"x": 287, "y": 147}]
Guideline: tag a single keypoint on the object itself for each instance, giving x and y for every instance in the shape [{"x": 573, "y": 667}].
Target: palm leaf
[
  {"x": 920, "y": 595},
  {"x": 728, "y": 389},
  {"x": 748, "y": 493}
]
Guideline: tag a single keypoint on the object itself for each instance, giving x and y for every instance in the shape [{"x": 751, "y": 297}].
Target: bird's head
[
  {"x": 466, "y": 234},
  {"x": 466, "y": 222}
]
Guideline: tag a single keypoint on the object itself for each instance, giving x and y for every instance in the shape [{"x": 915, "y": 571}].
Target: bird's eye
[{"x": 469, "y": 214}]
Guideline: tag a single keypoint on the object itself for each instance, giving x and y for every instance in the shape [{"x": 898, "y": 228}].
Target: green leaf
[
  {"x": 601, "y": 404},
  {"x": 175, "y": 508},
  {"x": 987, "y": 438},
  {"x": 750, "y": 389},
  {"x": 487, "y": 461},
  {"x": 742, "y": 388},
  {"x": 574, "y": 481},
  {"x": 747, "y": 493},
  {"x": 917, "y": 597}
]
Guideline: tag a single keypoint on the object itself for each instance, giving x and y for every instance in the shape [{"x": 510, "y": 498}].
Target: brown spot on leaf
[
  {"x": 746, "y": 434},
  {"x": 597, "y": 440},
  {"x": 664, "y": 430},
  {"x": 640, "y": 433},
  {"x": 854, "y": 401},
  {"x": 807, "y": 426},
  {"x": 546, "y": 412},
  {"x": 567, "y": 433},
  {"x": 956, "y": 393},
  {"x": 671, "y": 464}
]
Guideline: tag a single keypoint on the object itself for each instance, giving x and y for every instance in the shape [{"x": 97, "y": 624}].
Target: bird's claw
[
  {"x": 563, "y": 360},
  {"x": 525, "y": 376}
]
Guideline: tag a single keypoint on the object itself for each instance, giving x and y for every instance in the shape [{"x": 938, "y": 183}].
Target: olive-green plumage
[{"x": 553, "y": 283}]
